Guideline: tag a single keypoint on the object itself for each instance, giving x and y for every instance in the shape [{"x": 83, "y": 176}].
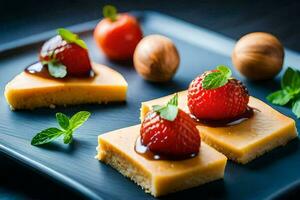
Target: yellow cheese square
[
  {"x": 243, "y": 142},
  {"x": 158, "y": 177}
]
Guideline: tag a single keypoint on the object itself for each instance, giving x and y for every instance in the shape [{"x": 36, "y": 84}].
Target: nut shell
[
  {"x": 258, "y": 56},
  {"x": 156, "y": 58}
]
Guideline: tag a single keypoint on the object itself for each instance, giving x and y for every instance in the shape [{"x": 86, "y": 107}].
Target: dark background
[{"x": 19, "y": 19}]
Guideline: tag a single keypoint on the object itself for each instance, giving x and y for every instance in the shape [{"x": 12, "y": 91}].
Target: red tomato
[{"x": 118, "y": 39}]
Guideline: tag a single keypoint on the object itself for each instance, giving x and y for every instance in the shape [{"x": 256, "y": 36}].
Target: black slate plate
[{"x": 75, "y": 166}]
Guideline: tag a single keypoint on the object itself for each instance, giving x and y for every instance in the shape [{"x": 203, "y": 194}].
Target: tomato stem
[{"x": 110, "y": 12}]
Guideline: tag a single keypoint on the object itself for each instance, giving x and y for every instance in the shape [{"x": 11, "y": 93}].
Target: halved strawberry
[
  {"x": 170, "y": 131},
  {"x": 66, "y": 54},
  {"x": 214, "y": 95}
]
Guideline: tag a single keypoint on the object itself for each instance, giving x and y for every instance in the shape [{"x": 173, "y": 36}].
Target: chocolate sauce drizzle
[
  {"x": 146, "y": 153},
  {"x": 225, "y": 123},
  {"x": 38, "y": 69}
]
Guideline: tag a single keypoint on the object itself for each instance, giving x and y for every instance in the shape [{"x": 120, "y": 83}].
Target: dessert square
[
  {"x": 28, "y": 91},
  {"x": 158, "y": 177},
  {"x": 243, "y": 142}
]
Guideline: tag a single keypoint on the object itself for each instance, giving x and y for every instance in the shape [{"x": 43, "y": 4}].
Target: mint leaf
[
  {"x": 110, "y": 12},
  {"x": 78, "y": 119},
  {"x": 174, "y": 100},
  {"x": 224, "y": 70},
  {"x": 280, "y": 97},
  {"x": 66, "y": 34},
  {"x": 81, "y": 43},
  {"x": 287, "y": 78},
  {"x": 62, "y": 120},
  {"x": 170, "y": 110},
  {"x": 68, "y": 126},
  {"x": 68, "y": 138},
  {"x": 216, "y": 78},
  {"x": 290, "y": 79},
  {"x": 290, "y": 89},
  {"x": 296, "y": 108},
  {"x": 157, "y": 108},
  {"x": 57, "y": 70},
  {"x": 71, "y": 37},
  {"x": 46, "y": 136}
]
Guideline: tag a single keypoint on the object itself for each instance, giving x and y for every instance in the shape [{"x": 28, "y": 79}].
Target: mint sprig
[
  {"x": 170, "y": 110},
  {"x": 290, "y": 91},
  {"x": 57, "y": 69},
  {"x": 71, "y": 37},
  {"x": 68, "y": 126},
  {"x": 110, "y": 12},
  {"x": 63, "y": 121},
  {"x": 296, "y": 108},
  {"x": 46, "y": 136},
  {"x": 216, "y": 78}
]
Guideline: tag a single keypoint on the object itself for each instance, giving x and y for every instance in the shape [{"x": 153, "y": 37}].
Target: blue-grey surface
[{"x": 74, "y": 165}]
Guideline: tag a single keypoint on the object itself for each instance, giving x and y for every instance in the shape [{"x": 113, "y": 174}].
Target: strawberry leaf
[{"x": 216, "y": 78}]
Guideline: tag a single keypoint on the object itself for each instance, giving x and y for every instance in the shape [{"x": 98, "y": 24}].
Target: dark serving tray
[{"x": 266, "y": 177}]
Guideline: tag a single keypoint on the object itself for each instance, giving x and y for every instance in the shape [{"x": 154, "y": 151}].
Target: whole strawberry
[
  {"x": 169, "y": 131},
  {"x": 214, "y": 95},
  {"x": 66, "y": 54}
]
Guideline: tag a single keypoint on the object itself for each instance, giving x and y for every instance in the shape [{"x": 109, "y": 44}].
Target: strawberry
[
  {"x": 214, "y": 95},
  {"x": 169, "y": 131},
  {"x": 66, "y": 54}
]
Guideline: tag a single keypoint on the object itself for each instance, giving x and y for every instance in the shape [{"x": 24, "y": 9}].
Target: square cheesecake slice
[
  {"x": 243, "y": 142},
  {"x": 158, "y": 177},
  {"x": 29, "y": 91}
]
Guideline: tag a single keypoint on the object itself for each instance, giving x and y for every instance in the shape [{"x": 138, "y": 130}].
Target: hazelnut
[
  {"x": 156, "y": 58},
  {"x": 258, "y": 56}
]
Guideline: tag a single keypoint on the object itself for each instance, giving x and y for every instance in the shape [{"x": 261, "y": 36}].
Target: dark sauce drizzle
[
  {"x": 146, "y": 153},
  {"x": 38, "y": 69},
  {"x": 225, "y": 123}
]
